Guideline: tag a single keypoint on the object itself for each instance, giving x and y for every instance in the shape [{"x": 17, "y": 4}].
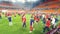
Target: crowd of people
[{"x": 49, "y": 20}]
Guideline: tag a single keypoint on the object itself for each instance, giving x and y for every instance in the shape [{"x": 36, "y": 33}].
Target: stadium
[{"x": 29, "y": 16}]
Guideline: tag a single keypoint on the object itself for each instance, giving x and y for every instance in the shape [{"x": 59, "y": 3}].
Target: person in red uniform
[
  {"x": 9, "y": 18},
  {"x": 36, "y": 18},
  {"x": 47, "y": 25},
  {"x": 55, "y": 30},
  {"x": 24, "y": 20}
]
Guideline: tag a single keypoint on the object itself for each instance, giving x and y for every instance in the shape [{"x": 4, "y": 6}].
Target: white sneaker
[
  {"x": 30, "y": 31},
  {"x": 10, "y": 23}
]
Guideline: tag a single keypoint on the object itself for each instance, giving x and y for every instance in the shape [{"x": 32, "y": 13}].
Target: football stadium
[{"x": 29, "y": 16}]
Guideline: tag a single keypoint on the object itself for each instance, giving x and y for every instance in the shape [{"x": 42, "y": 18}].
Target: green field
[{"x": 17, "y": 28}]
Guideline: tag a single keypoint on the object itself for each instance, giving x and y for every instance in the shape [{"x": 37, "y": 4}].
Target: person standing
[
  {"x": 47, "y": 25},
  {"x": 9, "y": 15},
  {"x": 24, "y": 20}
]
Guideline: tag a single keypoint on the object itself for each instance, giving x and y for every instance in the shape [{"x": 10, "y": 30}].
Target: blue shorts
[
  {"x": 31, "y": 21},
  {"x": 9, "y": 18}
]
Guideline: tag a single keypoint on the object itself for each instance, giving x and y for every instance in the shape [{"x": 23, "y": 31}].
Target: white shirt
[
  {"x": 43, "y": 16},
  {"x": 53, "y": 20}
]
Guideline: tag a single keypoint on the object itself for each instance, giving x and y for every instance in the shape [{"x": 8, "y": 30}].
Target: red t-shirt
[
  {"x": 48, "y": 23},
  {"x": 24, "y": 19},
  {"x": 35, "y": 18},
  {"x": 9, "y": 14}
]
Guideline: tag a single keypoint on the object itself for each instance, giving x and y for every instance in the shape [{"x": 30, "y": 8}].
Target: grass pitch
[{"x": 17, "y": 28}]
